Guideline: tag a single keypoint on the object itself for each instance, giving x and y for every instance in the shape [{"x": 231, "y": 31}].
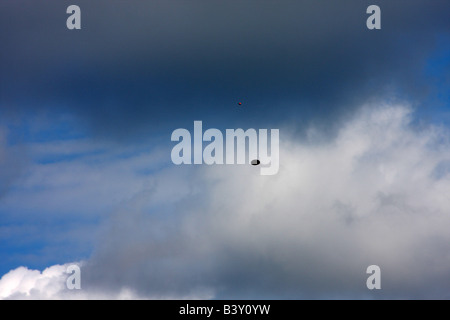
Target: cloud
[
  {"x": 50, "y": 284},
  {"x": 24, "y": 283},
  {"x": 377, "y": 193},
  {"x": 94, "y": 178},
  {"x": 12, "y": 162},
  {"x": 369, "y": 196},
  {"x": 177, "y": 60}
]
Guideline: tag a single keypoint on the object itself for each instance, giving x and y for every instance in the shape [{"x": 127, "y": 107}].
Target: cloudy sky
[{"x": 86, "y": 175}]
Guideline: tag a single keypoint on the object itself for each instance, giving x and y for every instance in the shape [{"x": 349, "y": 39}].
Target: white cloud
[
  {"x": 377, "y": 193},
  {"x": 23, "y": 283},
  {"x": 50, "y": 284}
]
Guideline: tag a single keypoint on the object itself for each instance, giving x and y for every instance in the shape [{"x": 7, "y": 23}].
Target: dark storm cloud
[{"x": 156, "y": 64}]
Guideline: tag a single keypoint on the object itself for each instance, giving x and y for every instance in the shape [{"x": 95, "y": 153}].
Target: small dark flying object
[{"x": 255, "y": 162}]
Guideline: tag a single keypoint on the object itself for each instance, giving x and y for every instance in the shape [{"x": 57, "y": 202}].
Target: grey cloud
[{"x": 368, "y": 197}]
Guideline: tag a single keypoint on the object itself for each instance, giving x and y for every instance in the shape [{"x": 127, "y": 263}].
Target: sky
[{"x": 86, "y": 176}]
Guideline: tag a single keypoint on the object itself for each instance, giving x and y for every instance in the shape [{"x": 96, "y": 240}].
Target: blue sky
[{"x": 85, "y": 123}]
